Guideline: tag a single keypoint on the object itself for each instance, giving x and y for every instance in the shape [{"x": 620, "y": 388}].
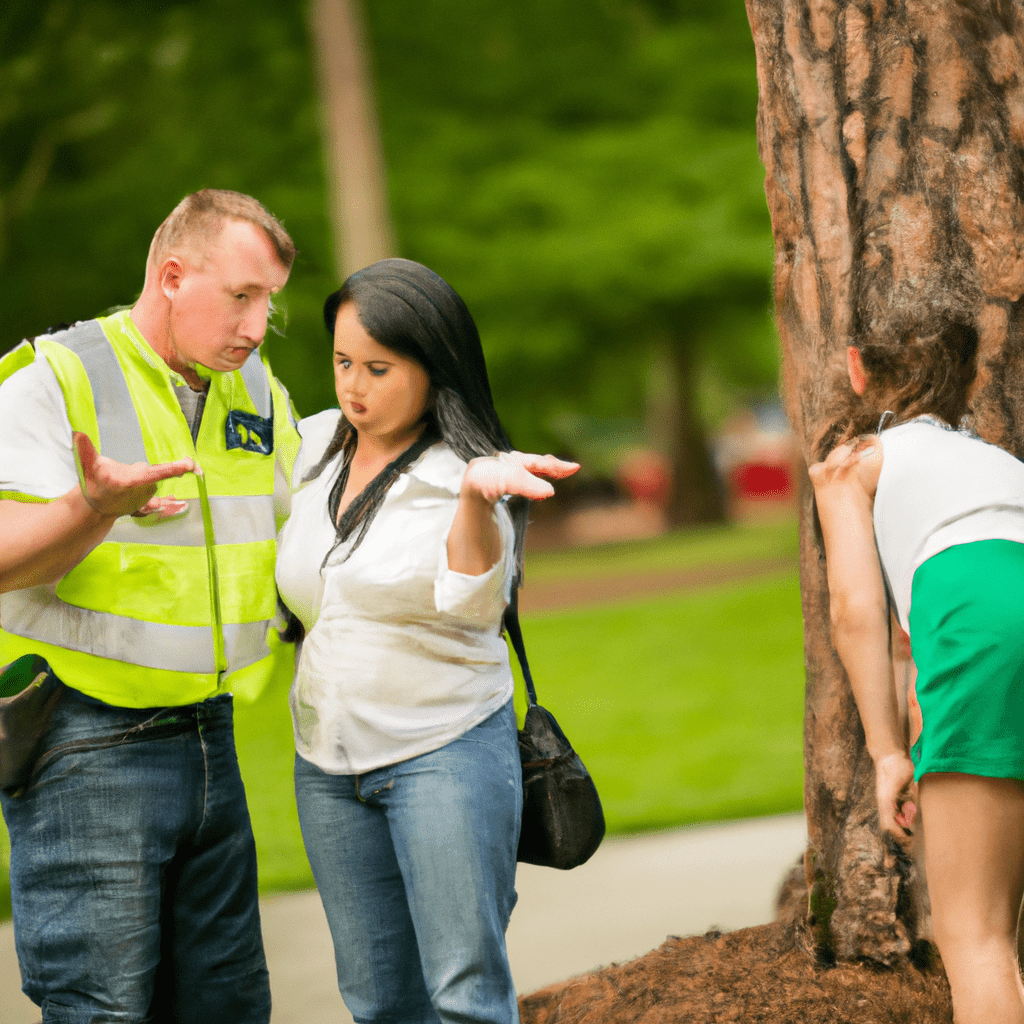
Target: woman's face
[{"x": 383, "y": 395}]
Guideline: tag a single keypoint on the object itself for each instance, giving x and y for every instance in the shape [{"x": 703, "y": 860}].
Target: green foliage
[
  {"x": 587, "y": 176},
  {"x": 112, "y": 112}
]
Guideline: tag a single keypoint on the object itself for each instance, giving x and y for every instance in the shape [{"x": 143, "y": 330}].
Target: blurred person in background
[
  {"x": 133, "y": 867},
  {"x": 398, "y": 560}
]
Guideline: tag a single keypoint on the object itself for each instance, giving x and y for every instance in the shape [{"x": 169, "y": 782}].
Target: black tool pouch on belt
[
  {"x": 29, "y": 694},
  {"x": 563, "y": 822}
]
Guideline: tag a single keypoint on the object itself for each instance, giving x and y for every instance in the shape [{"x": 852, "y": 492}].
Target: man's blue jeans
[
  {"x": 133, "y": 870},
  {"x": 416, "y": 867}
]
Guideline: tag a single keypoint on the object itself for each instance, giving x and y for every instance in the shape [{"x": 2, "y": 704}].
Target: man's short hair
[{"x": 198, "y": 218}]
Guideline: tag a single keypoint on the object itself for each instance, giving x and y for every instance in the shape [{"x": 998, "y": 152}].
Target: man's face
[{"x": 219, "y": 302}]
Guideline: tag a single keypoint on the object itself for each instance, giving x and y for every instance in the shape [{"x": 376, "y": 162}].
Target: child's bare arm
[{"x": 844, "y": 487}]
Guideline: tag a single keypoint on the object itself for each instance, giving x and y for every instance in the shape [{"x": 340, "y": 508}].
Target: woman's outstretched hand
[
  {"x": 115, "y": 489},
  {"x": 474, "y": 544},
  {"x": 896, "y": 794},
  {"x": 492, "y": 477}
]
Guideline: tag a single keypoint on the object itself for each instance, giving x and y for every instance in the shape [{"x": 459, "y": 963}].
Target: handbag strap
[{"x": 515, "y": 635}]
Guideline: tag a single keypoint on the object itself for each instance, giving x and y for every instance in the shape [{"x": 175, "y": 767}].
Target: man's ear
[
  {"x": 855, "y": 367},
  {"x": 170, "y": 274}
]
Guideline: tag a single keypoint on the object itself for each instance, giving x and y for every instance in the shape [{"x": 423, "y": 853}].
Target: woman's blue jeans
[
  {"x": 416, "y": 867},
  {"x": 133, "y": 870}
]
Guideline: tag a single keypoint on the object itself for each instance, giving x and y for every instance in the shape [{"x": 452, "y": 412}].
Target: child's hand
[{"x": 896, "y": 794}]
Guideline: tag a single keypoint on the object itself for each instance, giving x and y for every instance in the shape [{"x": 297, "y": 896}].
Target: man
[{"x": 139, "y": 459}]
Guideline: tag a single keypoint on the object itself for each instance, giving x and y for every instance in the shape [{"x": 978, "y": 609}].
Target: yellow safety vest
[{"x": 164, "y": 612}]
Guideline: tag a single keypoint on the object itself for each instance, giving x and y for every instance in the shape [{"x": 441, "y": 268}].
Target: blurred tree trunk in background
[
  {"x": 698, "y": 493},
  {"x": 354, "y": 160},
  {"x": 892, "y": 134}
]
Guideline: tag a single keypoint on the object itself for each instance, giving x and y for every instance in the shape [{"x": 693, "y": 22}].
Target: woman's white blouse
[{"x": 402, "y": 654}]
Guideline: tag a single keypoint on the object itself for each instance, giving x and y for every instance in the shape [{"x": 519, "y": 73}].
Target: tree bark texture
[
  {"x": 356, "y": 181},
  {"x": 892, "y": 134}
]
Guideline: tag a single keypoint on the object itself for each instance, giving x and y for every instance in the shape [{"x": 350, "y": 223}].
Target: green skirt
[{"x": 967, "y": 639}]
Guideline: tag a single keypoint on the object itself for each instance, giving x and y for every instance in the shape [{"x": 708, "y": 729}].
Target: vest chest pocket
[{"x": 249, "y": 432}]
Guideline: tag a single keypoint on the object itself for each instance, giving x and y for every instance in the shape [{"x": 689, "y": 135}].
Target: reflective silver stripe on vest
[
  {"x": 257, "y": 383},
  {"x": 245, "y": 643},
  {"x": 36, "y": 613},
  {"x": 120, "y": 432},
  {"x": 236, "y": 520}
]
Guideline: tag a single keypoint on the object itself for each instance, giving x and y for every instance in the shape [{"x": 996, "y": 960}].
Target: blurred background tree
[
  {"x": 112, "y": 110},
  {"x": 585, "y": 175}
]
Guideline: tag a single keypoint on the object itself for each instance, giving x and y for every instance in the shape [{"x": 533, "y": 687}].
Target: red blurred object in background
[
  {"x": 645, "y": 476},
  {"x": 760, "y": 480}
]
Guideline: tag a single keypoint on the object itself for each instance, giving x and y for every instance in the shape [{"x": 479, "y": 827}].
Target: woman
[
  {"x": 398, "y": 559},
  {"x": 929, "y": 513}
]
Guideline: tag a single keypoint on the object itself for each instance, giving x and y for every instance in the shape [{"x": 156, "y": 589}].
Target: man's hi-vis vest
[{"x": 164, "y": 612}]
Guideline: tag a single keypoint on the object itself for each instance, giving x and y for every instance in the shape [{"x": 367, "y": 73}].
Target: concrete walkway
[{"x": 625, "y": 901}]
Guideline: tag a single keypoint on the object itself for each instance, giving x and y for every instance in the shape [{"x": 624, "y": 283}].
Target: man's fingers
[
  {"x": 166, "y": 508},
  {"x": 83, "y": 444},
  {"x": 137, "y": 473},
  {"x": 162, "y": 471},
  {"x": 85, "y": 454},
  {"x": 114, "y": 489}
]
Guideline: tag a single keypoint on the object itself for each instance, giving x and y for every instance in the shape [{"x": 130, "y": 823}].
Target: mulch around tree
[{"x": 759, "y": 975}]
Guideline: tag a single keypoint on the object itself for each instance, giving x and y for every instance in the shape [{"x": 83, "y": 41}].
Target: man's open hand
[{"x": 115, "y": 489}]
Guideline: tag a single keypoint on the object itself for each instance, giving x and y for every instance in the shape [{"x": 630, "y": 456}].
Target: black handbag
[
  {"x": 563, "y": 823},
  {"x": 29, "y": 694}
]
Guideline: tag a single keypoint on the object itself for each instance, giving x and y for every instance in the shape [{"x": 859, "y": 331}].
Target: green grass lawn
[
  {"x": 712, "y": 545},
  {"x": 685, "y": 707}
]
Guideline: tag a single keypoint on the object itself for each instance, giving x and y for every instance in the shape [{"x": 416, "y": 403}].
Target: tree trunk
[
  {"x": 354, "y": 161},
  {"x": 697, "y": 494},
  {"x": 892, "y": 134}
]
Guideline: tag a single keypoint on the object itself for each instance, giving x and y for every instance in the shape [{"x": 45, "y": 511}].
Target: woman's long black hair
[{"x": 409, "y": 309}]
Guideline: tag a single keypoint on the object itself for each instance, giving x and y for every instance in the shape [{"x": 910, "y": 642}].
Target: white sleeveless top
[{"x": 940, "y": 487}]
